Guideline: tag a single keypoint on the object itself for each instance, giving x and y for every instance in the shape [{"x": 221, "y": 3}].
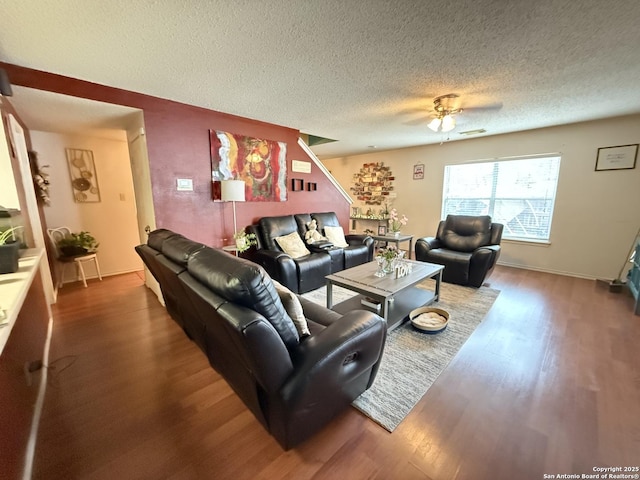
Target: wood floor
[{"x": 549, "y": 383}]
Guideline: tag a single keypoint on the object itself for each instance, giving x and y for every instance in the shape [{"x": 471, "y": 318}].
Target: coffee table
[{"x": 397, "y": 296}]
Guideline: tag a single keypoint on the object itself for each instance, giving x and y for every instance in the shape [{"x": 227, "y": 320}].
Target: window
[{"x": 518, "y": 193}]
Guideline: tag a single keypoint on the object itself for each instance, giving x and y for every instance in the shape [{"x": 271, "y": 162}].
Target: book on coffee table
[{"x": 371, "y": 303}]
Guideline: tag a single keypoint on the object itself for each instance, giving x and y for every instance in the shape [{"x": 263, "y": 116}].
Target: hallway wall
[{"x": 112, "y": 220}]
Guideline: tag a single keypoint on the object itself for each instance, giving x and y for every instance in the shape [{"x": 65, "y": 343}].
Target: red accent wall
[{"x": 178, "y": 143}]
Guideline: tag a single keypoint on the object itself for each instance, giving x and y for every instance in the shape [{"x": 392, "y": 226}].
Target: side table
[
  {"x": 397, "y": 239},
  {"x": 231, "y": 249}
]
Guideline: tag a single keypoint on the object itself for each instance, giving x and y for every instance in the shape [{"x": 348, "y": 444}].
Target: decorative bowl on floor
[{"x": 429, "y": 319}]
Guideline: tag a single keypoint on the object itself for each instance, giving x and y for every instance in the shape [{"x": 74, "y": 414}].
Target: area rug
[{"x": 412, "y": 360}]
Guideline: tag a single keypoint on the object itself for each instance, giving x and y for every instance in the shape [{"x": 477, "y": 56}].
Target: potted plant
[
  {"x": 244, "y": 240},
  {"x": 9, "y": 251},
  {"x": 77, "y": 244}
]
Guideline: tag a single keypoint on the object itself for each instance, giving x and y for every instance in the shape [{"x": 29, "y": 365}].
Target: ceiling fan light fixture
[
  {"x": 434, "y": 124},
  {"x": 444, "y": 108},
  {"x": 448, "y": 123}
]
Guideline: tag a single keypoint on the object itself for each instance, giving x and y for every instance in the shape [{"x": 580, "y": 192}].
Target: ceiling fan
[
  {"x": 444, "y": 108},
  {"x": 441, "y": 117}
]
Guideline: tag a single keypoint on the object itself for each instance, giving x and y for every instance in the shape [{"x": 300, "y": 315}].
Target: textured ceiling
[{"x": 362, "y": 72}]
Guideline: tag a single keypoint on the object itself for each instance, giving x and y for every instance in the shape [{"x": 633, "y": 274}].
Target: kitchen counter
[{"x": 13, "y": 291}]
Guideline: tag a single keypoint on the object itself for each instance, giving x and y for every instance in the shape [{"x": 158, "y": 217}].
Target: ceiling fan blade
[
  {"x": 483, "y": 108},
  {"x": 418, "y": 121}
]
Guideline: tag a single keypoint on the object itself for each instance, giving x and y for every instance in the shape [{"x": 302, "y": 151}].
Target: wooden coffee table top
[{"x": 362, "y": 278}]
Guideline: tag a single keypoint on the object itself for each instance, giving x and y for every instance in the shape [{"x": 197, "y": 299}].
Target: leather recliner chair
[{"x": 467, "y": 246}]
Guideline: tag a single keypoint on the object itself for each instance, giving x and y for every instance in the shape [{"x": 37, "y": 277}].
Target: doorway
[{"x": 57, "y": 122}]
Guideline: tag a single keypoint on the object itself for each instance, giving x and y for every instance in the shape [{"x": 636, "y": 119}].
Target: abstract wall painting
[
  {"x": 261, "y": 164},
  {"x": 84, "y": 180}
]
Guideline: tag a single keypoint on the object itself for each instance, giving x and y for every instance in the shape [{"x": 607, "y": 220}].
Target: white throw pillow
[
  {"x": 293, "y": 307},
  {"x": 293, "y": 245},
  {"x": 336, "y": 236}
]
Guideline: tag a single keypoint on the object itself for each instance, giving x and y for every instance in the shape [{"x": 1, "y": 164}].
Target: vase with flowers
[
  {"x": 387, "y": 258},
  {"x": 397, "y": 221}
]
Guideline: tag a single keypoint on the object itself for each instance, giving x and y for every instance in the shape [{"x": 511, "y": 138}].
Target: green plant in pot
[
  {"x": 244, "y": 240},
  {"x": 9, "y": 250},
  {"x": 77, "y": 244}
]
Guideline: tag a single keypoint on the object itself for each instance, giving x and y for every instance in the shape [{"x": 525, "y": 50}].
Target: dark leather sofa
[
  {"x": 228, "y": 305},
  {"x": 305, "y": 273},
  {"x": 467, "y": 246}
]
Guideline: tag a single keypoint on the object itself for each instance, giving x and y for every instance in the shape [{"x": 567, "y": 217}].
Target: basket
[{"x": 428, "y": 327}]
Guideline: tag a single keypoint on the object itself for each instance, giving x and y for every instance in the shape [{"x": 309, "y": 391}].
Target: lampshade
[
  {"x": 434, "y": 124},
  {"x": 448, "y": 123},
  {"x": 232, "y": 191}
]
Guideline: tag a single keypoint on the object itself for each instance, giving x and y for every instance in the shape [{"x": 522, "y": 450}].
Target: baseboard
[
  {"x": 547, "y": 270},
  {"x": 111, "y": 274}
]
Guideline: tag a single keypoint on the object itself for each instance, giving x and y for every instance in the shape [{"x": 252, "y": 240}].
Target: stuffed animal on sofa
[{"x": 313, "y": 235}]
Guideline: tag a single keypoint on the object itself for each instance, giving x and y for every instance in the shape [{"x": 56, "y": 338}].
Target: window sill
[{"x": 536, "y": 243}]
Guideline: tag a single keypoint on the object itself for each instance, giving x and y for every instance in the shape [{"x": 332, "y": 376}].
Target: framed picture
[
  {"x": 418, "y": 171},
  {"x": 621, "y": 157},
  {"x": 382, "y": 229}
]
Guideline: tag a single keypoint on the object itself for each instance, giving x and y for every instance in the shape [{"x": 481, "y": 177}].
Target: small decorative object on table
[
  {"x": 429, "y": 319},
  {"x": 396, "y": 221}
]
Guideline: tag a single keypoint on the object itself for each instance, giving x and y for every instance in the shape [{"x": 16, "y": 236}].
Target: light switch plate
[{"x": 185, "y": 185}]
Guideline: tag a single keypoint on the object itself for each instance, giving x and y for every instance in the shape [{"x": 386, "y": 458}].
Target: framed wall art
[
  {"x": 261, "y": 164},
  {"x": 621, "y": 157},
  {"x": 84, "y": 180},
  {"x": 418, "y": 171}
]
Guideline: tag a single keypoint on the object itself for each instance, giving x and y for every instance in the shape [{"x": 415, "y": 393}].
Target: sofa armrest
[
  {"x": 328, "y": 361},
  {"x": 482, "y": 261},
  {"x": 423, "y": 245},
  {"x": 319, "y": 247},
  {"x": 318, "y": 313},
  {"x": 358, "y": 239},
  {"x": 279, "y": 265}
]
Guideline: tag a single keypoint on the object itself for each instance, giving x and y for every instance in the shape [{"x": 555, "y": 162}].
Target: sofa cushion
[
  {"x": 293, "y": 307},
  {"x": 246, "y": 283},
  {"x": 465, "y": 233},
  {"x": 272, "y": 227},
  {"x": 292, "y": 245},
  {"x": 336, "y": 236},
  {"x": 157, "y": 238},
  {"x": 178, "y": 249}
]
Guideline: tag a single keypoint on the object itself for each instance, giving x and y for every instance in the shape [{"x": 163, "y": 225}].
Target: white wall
[
  {"x": 112, "y": 220},
  {"x": 8, "y": 190},
  {"x": 596, "y": 215}
]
